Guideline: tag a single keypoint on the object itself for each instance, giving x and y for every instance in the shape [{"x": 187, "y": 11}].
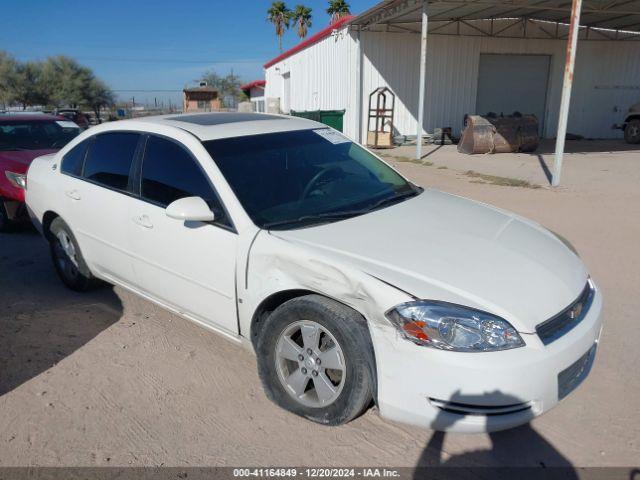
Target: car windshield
[
  {"x": 294, "y": 179},
  {"x": 36, "y": 135}
]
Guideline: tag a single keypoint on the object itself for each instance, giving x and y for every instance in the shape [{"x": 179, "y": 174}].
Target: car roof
[
  {"x": 29, "y": 117},
  {"x": 216, "y": 125}
]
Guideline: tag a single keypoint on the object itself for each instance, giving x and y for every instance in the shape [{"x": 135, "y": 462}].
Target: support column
[
  {"x": 359, "y": 80},
  {"x": 567, "y": 83},
  {"x": 423, "y": 72}
]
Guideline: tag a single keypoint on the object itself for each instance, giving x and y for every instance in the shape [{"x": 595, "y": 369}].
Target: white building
[
  {"x": 481, "y": 55},
  {"x": 255, "y": 91}
]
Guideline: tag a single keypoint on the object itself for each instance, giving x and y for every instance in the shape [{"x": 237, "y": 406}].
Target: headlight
[
  {"x": 451, "y": 327},
  {"x": 17, "y": 179}
]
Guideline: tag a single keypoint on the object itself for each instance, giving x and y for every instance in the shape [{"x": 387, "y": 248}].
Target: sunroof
[{"x": 222, "y": 118}]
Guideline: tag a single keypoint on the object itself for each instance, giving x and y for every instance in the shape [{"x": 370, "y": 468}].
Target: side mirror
[{"x": 190, "y": 209}]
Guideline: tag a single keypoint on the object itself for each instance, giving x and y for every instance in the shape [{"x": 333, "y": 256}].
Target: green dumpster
[{"x": 332, "y": 118}]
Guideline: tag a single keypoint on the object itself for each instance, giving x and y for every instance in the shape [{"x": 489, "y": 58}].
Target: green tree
[
  {"x": 279, "y": 15},
  {"x": 8, "y": 78},
  {"x": 58, "y": 81},
  {"x": 228, "y": 85},
  {"x": 29, "y": 88},
  {"x": 301, "y": 18},
  {"x": 66, "y": 82},
  {"x": 338, "y": 9},
  {"x": 97, "y": 95}
]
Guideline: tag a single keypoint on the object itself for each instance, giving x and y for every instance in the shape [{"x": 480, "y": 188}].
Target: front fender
[{"x": 277, "y": 265}]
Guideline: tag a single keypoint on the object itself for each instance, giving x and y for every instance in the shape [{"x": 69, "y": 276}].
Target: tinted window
[
  {"x": 109, "y": 159},
  {"x": 36, "y": 135},
  {"x": 292, "y": 179},
  {"x": 169, "y": 173},
  {"x": 73, "y": 161}
]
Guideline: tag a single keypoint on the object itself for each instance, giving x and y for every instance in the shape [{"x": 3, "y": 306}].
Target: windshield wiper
[
  {"x": 341, "y": 215},
  {"x": 391, "y": 200},
  {"x": 320, "y": 216}
]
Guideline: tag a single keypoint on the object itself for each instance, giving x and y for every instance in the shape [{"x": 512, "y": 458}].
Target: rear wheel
[
  {"x": 315, "y": 359},
  {"x": 67, "y": 258},
  {"x": 632, "y": 131}
]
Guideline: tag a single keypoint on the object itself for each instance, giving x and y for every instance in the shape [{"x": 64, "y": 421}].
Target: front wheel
[
  {"x": 632, "y": 132},
  {"x": 316, "y": 360},
  {"x": 67, "y": 258}
]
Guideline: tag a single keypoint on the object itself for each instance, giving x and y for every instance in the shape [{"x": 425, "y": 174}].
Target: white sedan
[{"x": 351, "y": 284}]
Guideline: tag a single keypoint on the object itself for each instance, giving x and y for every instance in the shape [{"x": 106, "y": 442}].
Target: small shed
[{"x": 203, "y": 98}]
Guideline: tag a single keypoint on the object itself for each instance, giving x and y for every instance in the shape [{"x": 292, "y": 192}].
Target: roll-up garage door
[{"x": 513, "y": 83}]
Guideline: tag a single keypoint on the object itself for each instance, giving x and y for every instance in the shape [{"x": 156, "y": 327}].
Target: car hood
[
  {"x": 444, "y": 247},
  {"x": 21, "y": 159}
]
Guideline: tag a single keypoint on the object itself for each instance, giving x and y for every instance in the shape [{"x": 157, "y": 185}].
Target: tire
[
  {"x": 5, "y": 224},
  {"x": 67, "y": 260},
  {"x": 632, "y": 131},
  {"x": 352, "y": 383}
]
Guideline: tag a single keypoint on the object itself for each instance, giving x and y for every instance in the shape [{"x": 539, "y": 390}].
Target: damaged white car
[{"x": 352, "y": 285}]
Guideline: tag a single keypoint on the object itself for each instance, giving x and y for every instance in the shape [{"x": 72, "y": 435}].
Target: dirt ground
[{"x": 106, "y": 378}]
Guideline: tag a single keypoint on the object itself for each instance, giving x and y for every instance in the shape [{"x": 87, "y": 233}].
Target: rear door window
[
  {"x": 73, "y": 161},
  {"x": 109, "y": 159}
]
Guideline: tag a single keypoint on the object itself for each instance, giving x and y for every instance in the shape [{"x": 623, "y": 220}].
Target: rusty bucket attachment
[{"x": 493, "y": 134}]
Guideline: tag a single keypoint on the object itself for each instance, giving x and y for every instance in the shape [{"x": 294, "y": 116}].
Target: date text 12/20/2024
[{"x": 316, "y": 472}]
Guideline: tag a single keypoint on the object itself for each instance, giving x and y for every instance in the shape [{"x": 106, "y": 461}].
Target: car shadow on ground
[
  {"x": 41, "y": 321},
  {"x": 519, "y": 452}
]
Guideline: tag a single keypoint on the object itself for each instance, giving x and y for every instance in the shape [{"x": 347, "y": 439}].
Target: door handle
[
  {"x": 143, "y": 221},
  {"x": 73, "y": 195}
]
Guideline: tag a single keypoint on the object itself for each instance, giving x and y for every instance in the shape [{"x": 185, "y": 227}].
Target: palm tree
[
  {"x": 338, "y": 9},
  {"x": 279, "y": 15},
  {"x": 301, "y": 17}
]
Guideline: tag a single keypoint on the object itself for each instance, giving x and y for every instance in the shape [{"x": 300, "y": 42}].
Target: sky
[{"x": 151, "y": 49}]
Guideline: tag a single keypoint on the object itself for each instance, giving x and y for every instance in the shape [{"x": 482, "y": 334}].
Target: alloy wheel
[
  {"x": 65, "y": 253},
  {"x": 310, "y": 364}
]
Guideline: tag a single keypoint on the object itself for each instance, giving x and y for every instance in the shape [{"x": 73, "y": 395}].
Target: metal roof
[
  {"x": 255, "y": 83},
  {"x": 324, "y": 33},
  {"x": 622, "y": 15},
  {"x": 204, "y": 88}
]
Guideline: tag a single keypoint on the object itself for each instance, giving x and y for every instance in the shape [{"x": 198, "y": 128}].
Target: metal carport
[{"x": 559, "y": 19}]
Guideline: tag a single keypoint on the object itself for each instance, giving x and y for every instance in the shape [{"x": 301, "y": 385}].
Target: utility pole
[
  {"x": 567, "y": 84},
  {"x": 423, "y": 76}
]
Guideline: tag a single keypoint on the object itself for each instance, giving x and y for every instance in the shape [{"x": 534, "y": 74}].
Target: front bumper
[{"x": 481, "y": 392}]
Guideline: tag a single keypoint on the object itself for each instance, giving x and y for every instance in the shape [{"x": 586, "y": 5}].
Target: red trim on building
[
  {"x": 255, "y": 83},
  {"x": 325, "y": 32}
]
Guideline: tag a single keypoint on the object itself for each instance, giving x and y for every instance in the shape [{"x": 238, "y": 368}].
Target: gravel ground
[{"x": 106, "y": 378}]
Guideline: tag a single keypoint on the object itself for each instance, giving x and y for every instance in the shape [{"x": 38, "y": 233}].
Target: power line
[
  {"x": 162, "y": 60},
  {"x": 148, "y": 90}
]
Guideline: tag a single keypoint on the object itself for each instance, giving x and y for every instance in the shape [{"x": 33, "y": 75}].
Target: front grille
[
  {"x": 572, "y": 376},
  {"x": 557, "y": 326},
  {"x": 486, "y": 410}
]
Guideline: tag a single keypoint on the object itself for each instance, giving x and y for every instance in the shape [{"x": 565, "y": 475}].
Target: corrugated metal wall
[
  {"x": 323, "y": 76},
  {"x": 319, "y": 75}
]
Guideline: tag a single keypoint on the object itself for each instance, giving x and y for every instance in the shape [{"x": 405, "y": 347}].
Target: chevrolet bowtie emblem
[{"x": 575, "y": 312}]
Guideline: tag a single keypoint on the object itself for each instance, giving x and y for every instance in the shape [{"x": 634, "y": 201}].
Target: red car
[{"x": 24, "y": 137}]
